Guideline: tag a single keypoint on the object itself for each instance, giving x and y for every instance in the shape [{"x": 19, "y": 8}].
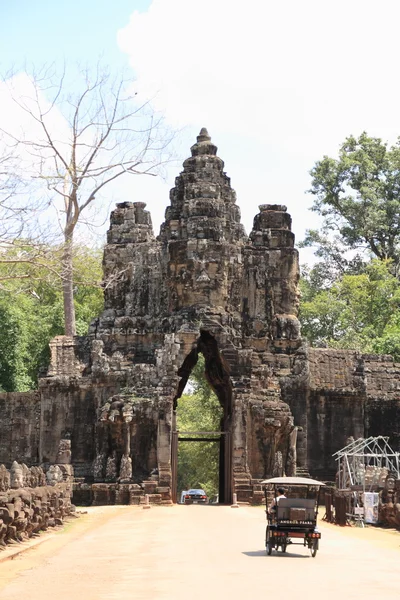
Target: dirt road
[{"x": 198, "y": 553}]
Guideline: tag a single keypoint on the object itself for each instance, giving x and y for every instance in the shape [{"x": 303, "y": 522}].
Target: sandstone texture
[
  {"x": 32, "y": 500},
  {"x": 201, "y": 286}
]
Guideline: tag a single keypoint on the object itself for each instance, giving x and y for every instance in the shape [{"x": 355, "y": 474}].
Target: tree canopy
[
  {"x": 31, "y": 310},
  {"x": 358, "y": 196},
  {"x": 359, "y": 312}
]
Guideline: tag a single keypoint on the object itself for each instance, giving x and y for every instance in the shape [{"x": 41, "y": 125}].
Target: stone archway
[{"x": 217, "y": 376}]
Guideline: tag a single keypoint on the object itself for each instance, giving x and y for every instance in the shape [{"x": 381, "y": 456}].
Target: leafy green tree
[
  {"x": 358, "y": 196},
  {"x": 31, "y": 311},
  {"x": 389, "y": 341},
  {"x": 199, "y": 410},
  {"x": 335, "y": 259},
  {"x": 358, "y": 311}
]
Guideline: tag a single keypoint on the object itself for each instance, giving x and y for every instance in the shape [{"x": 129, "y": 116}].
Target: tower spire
[
  {"x": 204, "y": 144},
  {"x": 204, "y": 136}
]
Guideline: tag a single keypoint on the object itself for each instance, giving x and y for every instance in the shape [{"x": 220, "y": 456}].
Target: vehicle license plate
[{"x": 194, "y": 501}]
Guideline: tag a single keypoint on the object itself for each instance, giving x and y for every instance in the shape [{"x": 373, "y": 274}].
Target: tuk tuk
[{"x": 293, "y": 517}]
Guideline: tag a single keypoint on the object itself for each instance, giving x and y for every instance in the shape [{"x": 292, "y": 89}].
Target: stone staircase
[{"x": 301, "y": 472}]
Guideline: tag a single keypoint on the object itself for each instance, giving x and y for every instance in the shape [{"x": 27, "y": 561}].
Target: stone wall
[
  {"x": 68, "y": 409},
  {"x": 331, "y": 419},
  {"x": 349, "y": 395},
  {"x": 20, "y": 427}
]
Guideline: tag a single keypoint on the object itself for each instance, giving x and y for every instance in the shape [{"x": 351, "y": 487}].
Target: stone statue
[
  {"x": 291, "y": 460},
  {"x": 64, "y": 452},
  {"x": 16, "y": 476},
  {"x": 26, "y": 473},
  {"x": 285, "y": 327},
  {"x": 54, "y": 475},
  {"x": 41, "y": 476},
  {"x": 4, "y": 479},
  {"x": 30, "y": 502},
  {"x": 125, "y": 470},
  {"x": 278, "y": 464},
  {"x": 389, "y": 491},
  {"x": 111, "y": 468},
  {"x": 35, "y": 477}
]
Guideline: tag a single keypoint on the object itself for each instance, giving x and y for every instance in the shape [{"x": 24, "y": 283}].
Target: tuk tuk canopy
[{"x": 292, "y": 481}]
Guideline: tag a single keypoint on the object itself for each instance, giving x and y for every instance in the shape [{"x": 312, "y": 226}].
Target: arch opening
[{"x": 205, "y": 416}]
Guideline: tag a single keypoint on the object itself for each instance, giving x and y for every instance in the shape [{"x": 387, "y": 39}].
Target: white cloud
[
  {"x": 264, "y": 66},
  {"x": 278, "y": 84}
]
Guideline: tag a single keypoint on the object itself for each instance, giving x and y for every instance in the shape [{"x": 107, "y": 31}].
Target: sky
[{"x": 278, "y": 84}]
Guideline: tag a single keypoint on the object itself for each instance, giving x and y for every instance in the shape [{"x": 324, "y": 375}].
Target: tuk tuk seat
[{"x": 296, "y": 509}]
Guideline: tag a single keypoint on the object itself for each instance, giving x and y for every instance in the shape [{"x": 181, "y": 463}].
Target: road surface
[{"x": 198, "y": 553}]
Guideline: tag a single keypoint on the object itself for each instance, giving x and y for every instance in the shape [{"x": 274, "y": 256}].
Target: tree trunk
[{"x": 68, "y": 288}]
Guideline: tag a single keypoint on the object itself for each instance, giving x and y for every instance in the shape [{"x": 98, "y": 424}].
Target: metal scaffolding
[
  {"x": 364, "y": 461},
  {"x": 363, "y": 467}
]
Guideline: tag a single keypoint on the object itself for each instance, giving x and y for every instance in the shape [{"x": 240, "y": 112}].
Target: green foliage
[
  {"x": 31, "y": 312},
  {"x": 358, "y": 311},
  {"x": 199, "y": 410},
  {"x": 335, "y": 259},
  {"x": 358, "y": 196}
]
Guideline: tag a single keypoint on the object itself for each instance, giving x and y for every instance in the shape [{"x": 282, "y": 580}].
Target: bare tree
[
  {"x": 11, "y": 223},
  {"x": 16, "y": 217},
  {"x": 82, "y": 141}
]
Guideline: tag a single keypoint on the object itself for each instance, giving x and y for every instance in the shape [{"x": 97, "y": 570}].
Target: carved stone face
[
  {"x": 54, "y": 475},
  {"x": 16, "y": 476},
  {"x": 390, "y": 483}
]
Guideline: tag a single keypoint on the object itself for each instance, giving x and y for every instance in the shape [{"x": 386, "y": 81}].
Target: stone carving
[
  {"x": 389, "y": 509},
  {"x": 54, "y": 475},
  {"x": 125, "y": 470},
  {"x": 389, "y": 514},
  {"x": 278, "y": 465},
  {"x": 5, "y": 480},
  {"x": 64, "y": 452},
  {"x": 99, "y": 466},
  {"x": 111, "y": 469},
  {"x": 16, "y": 476},
  {"x": 285, "y": 327},
  {"x": 26, "y": 475},
  {"x": 35, "y": 477},
  {"x": 202, "y": 286},
  {"x": 292, "y": 457},
  {"x": 115, "y": 417},
  {"x": 117, "y": 408},
  {"x": 389, "y": 491},
  {"x": 27, "y": 505}
]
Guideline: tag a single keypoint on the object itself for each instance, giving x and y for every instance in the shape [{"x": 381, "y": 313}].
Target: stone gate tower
[{"x": 202, "y": 286}]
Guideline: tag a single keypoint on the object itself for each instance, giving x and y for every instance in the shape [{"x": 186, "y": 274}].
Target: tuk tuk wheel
[
  {"x": 268, "y": 544},
  {"x": 314, "y": 548},
  {"x": 283, "y": 546}
]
